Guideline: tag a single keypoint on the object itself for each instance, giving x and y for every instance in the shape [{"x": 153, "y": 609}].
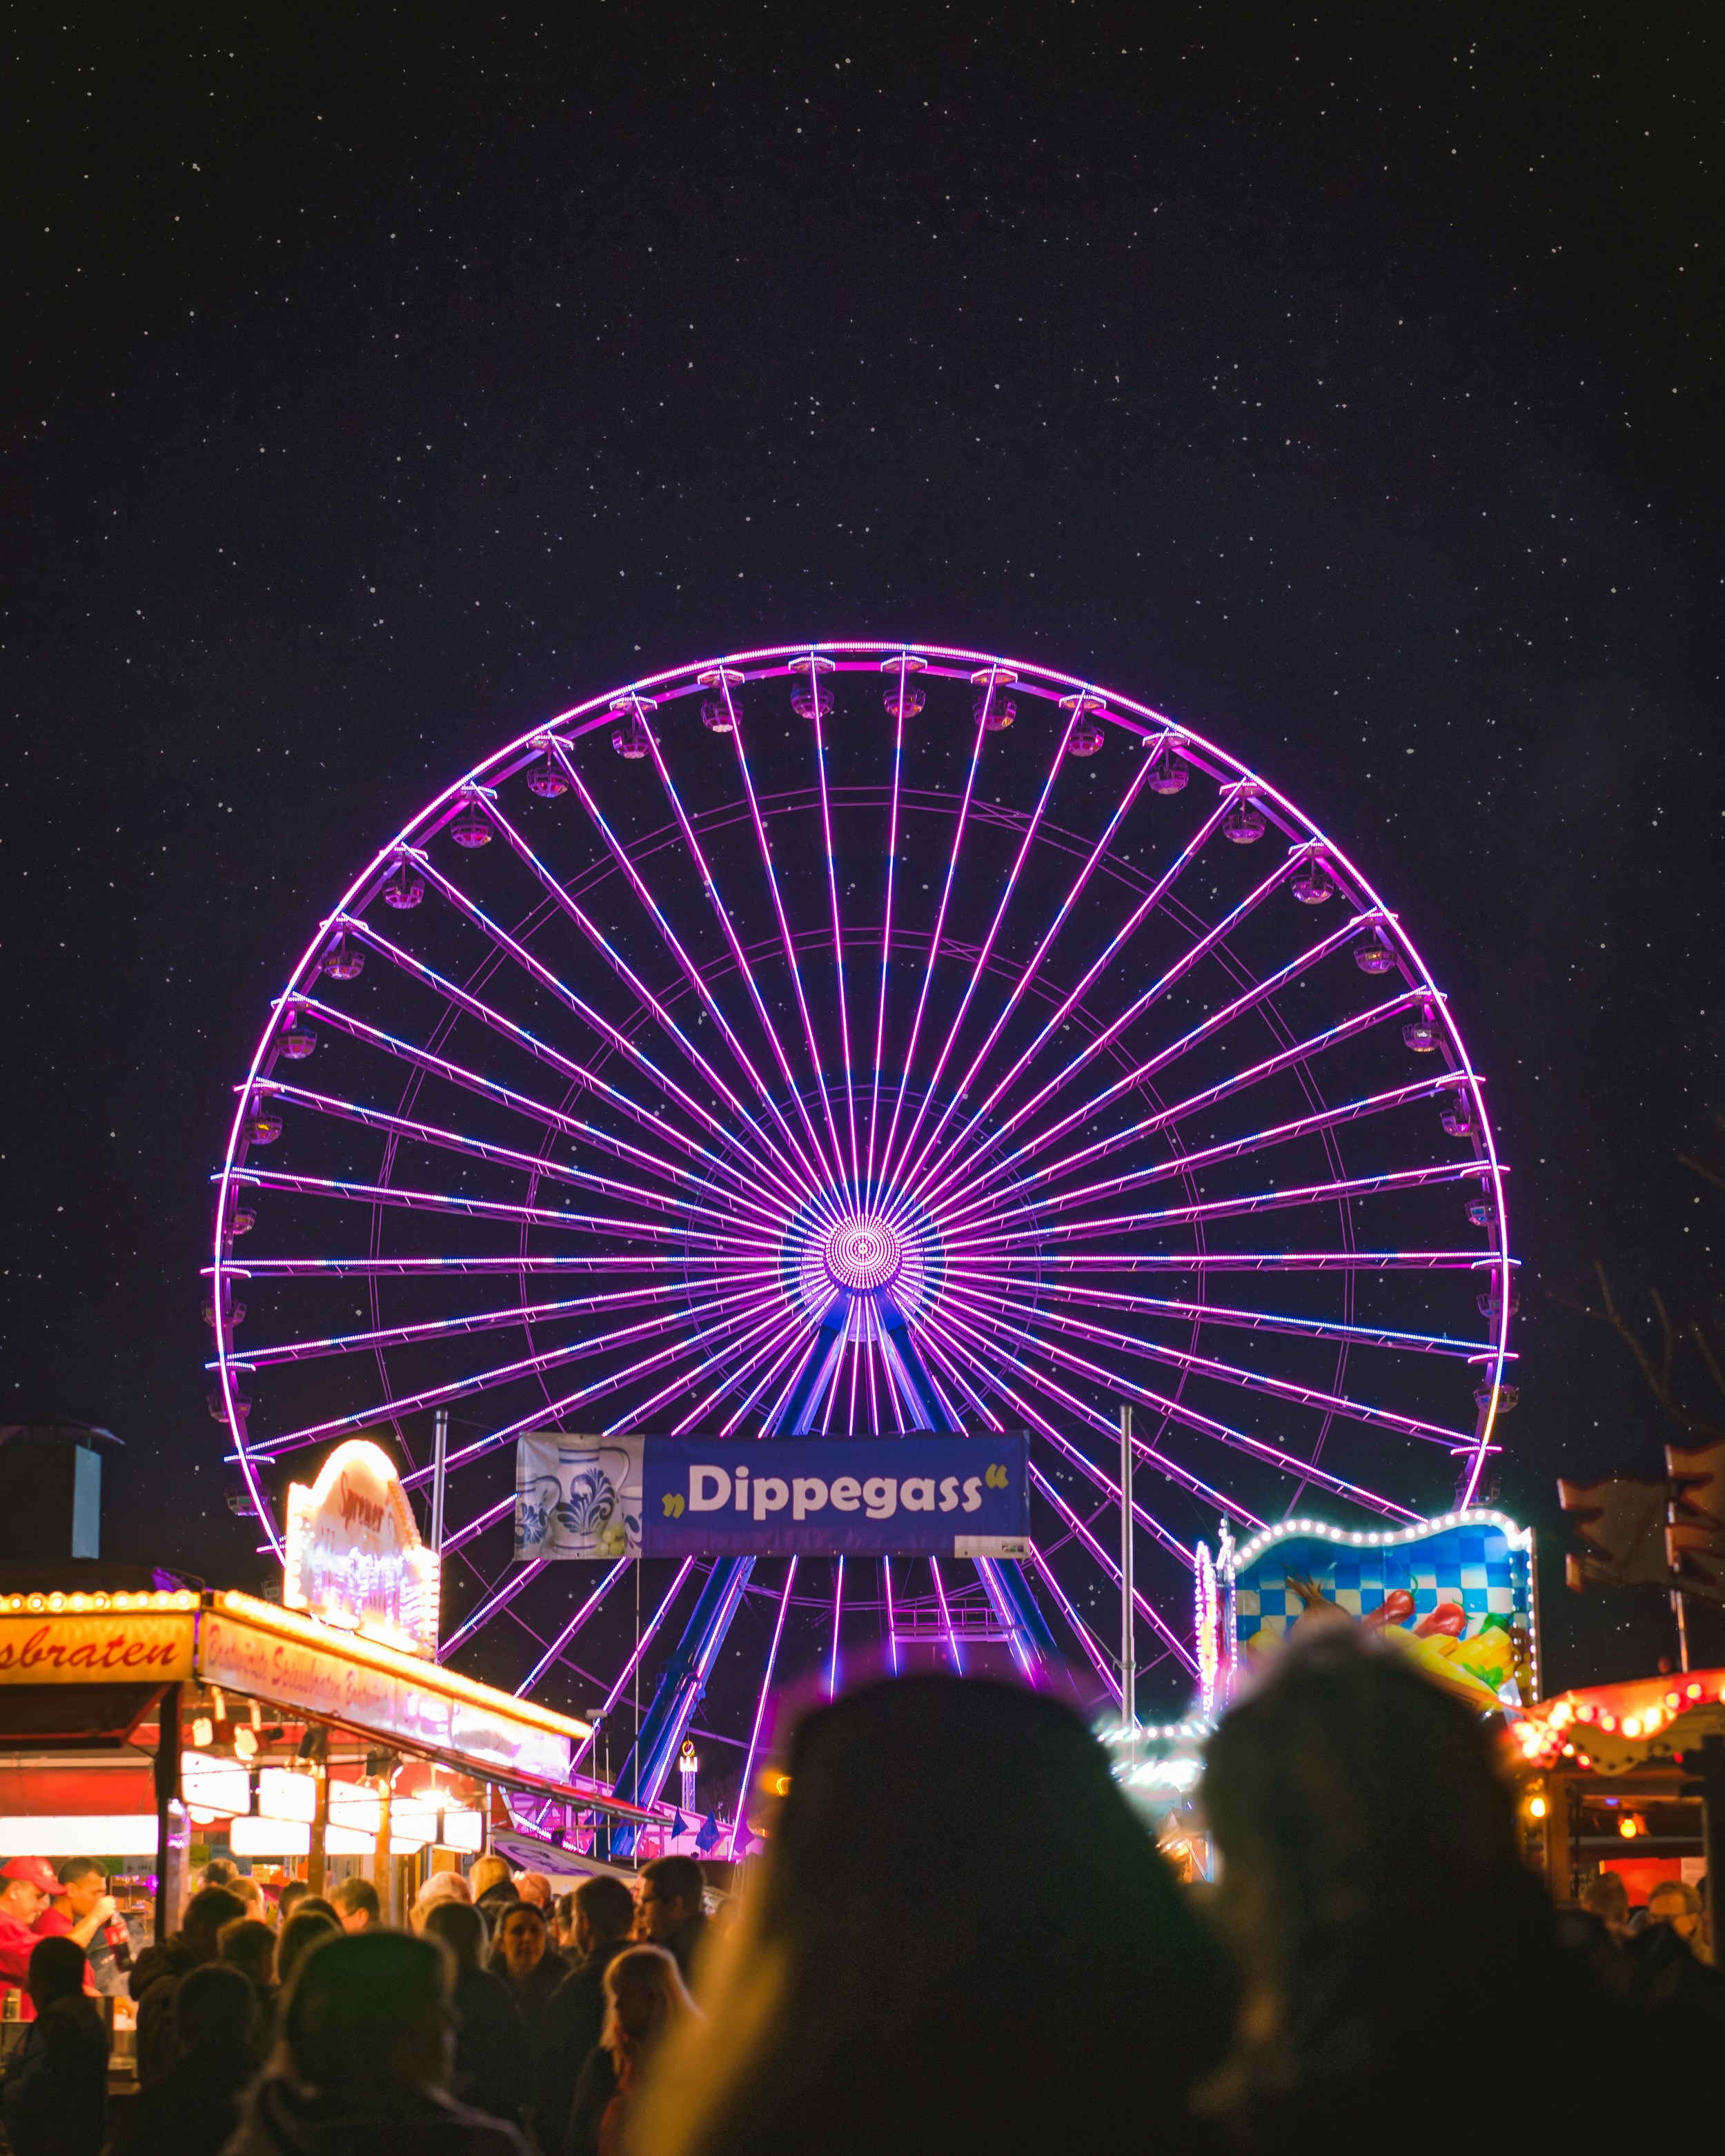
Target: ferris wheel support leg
[
  {"x": 678, "y": 1693},
  {"x": 1008, "y": 1592}
]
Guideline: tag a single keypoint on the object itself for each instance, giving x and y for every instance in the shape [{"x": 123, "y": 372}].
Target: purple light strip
[
  {"x": 771, "y": 1353},
  {"x": 838, "y": 1609},
  {"x": 986, "y": 1363},
  {"x": 934, "y": 944},
  {"x": 576, "y": 1073},
  {"x": 523, "y": 1262},
  {"x": 974, "y": 973},
  {"x": 940, "y": 1596},
  {"x": 628, "y": 1671},
  {"x": 1110, "y": 1565},
  {"x": 437, "y": 1328},
  {"x": 477, "y": 1208},
  {"x": 796, "y": 1165},
  {"x": 522, "y": 1104},
  {"x": 538, "y": 1166},
  {"x": 820, "y": 1170},
  {"x": 1146, "y": 904},
  {"x": 1190, "y": 957},
  {"x": 1227, "y": 1373},
  {"x": 1270, "y": 1066},
  {"x": 833, "y": 1171},
  {"x": 484, "y": 1381},
  {"x": 1081, "y": 1631},
  {"x": 1251, "y": 1261},
  {"x": 558, "y": 1645},
  {"x": 614, "y": 958},
  {"x": 788, "y": 1354},
  {"x": 826, "y": 832},
  {"x": 623, "y": 1042},
  {"x": 892, "y": 1619},
  {"x": 1265, "y": 1201},
  {"x": 477, "y": 1526},
  {"x": 1076, "y": 891},
  {"x": 1182, "y": 1165},
  {"x": 489, "y": 1608},
  {"x": 774, "y": 1321},
  {"x": 748, "y": 1763},
  {"x": 1266, "y": 1320},
  {"x": 898, "y": 759}
]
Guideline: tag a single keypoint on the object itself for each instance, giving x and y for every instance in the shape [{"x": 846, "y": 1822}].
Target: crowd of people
[{"x": 962, "y": 1938}]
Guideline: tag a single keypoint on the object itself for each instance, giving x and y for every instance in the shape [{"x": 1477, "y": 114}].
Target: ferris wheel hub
[{"x": 863, "y": 1252}]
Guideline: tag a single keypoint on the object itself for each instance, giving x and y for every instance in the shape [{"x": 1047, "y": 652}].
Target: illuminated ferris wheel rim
[{"x": 644, "y": 701}]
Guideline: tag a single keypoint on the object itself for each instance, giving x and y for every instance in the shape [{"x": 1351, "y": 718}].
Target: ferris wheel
[{"x": 863, "y": 1037}]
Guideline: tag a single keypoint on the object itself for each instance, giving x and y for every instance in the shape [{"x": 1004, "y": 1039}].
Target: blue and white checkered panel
[{"x": 1474, "y": 1566}]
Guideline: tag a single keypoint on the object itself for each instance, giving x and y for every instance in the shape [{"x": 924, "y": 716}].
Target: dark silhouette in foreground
[
  {"x": 53, "y": 2098},
  {"x": 194, "y": 2106},
  {"x": 963, "y": 1939}
]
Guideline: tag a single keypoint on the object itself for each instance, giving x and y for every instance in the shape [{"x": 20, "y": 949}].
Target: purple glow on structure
[{"x": 619, "y": 1050}]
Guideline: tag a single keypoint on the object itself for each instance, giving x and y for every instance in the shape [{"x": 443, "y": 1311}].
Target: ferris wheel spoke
[
  {"x": 787, "y": 940},
  {"x": 816, "y": 1165},
  {"x": 1263, "y": 1201},
  {"x": 652, "y": 1003},
  {"x": 1080, "y": 1631},
  {"x": 1180, "y": 1166},
  {"x": 505, "y": 1510},
  {"x": 898, "y": 763},
  {"x": 1266, "y": 1320},
  {"x": 522, "y": 1262},
  {"x": 620, "y": 1039},
  {"x": 1252, "y": 1261},
  {"x": 489, "y": 1089},
  {"x": 536, "y": 1165},
  {"x": 774, "y": 1322},
  {"x": 498, "y": 1600},
  {"x": 439, "y": 1329},
  {"x": 1228, "y": 1373},
  {"x": 1297, "y": 1054},
  {"x": 643, "y": 1646},
  {"x": 974, "y": 974},
  {"x": 736, "y": 1163},
  {"x": 796, "y": 1162},
  {"x": 441, "y": 1395},
  {"x": 1189, "y": 959},
  {"x": 1110, "y": 1564},
  {"x": 477, "y": 1208},
  {"x": 1074, "y": 997},
  {"x": 986, "y": 1357},
  {"x": 960, "y": 826},
  {"x": 826, "y": 828},
  {"x": 766, "y": 1357},
  {"x": 1028, "y": 973},
  {"x": 559, "y": 1647}
]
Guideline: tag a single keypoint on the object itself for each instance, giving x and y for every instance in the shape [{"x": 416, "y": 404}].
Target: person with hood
[
  {"x": 194, "y": 2107},
  {"x": 601, "y": 1917},
  {"x": 54, "y": 2099},
  {"x": 158, "y": 1970},
  {"x": 493, "y": 2052},
  {"x": 363, "y": 2064}
]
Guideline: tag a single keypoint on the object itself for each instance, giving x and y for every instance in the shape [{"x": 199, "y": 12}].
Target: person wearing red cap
[{"x": 27, "y": 1886}]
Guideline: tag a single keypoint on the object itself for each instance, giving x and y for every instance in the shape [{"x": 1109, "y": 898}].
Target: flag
[
  {"x": 678, "y": 1828},
  {"x": 1695, "y": 1537},
  {"x": 1623, "y": 1525},
  {"x": 709, "y": 1838}
]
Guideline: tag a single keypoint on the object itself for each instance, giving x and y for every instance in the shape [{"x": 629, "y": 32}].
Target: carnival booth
[{"x": 136, "y": 1722}]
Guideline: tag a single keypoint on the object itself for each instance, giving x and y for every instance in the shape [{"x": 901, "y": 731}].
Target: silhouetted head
[
  {"x": 302, "y": 1931},
  {"x": 461, "y": 1928},
  {"x": 56, "y": 1970},
  {"x": 367, "y": 2009},
  {"x": 603, "y": 1910},
  {"x": 208, "y": 1910},
  {"x": 963, "y": 1938},
  {"x": 249, "y": 1945},
  {"x": 215, "y": 2008}
]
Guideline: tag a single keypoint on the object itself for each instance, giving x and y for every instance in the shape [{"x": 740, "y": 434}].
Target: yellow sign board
[{"x": 111, "y": 1647}]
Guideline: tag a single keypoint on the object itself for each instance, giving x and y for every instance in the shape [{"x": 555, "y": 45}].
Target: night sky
[{"x": 377, "y": 381}]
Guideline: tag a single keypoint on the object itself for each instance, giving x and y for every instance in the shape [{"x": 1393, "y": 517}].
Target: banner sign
[
  {"x": 1455, "y": 1594},
  {"x": 842, "y": 1496}
]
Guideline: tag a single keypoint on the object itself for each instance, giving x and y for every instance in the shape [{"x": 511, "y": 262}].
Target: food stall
[
  {"x": 319, "y": 1734},
  {"x": 1626, "y": 1778}
]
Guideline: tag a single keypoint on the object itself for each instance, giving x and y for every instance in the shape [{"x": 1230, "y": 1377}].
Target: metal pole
[
  {"x": 440, "y": 1458},
  {"x": 1682, "y": 1629},
  {"x": 1128, "y": 1640}
]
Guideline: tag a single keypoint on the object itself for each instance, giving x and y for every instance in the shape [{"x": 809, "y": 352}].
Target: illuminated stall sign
[
  {"x": 1456, "y": 1594},
  {"x": 109, "y": 1647},
  {"x": 354, "y": 1557},
  {"x": 664, "y": 1497}
]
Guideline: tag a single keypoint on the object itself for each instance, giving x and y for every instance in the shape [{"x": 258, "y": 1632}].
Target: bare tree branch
[{"x": 1657, "y": 1375}]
